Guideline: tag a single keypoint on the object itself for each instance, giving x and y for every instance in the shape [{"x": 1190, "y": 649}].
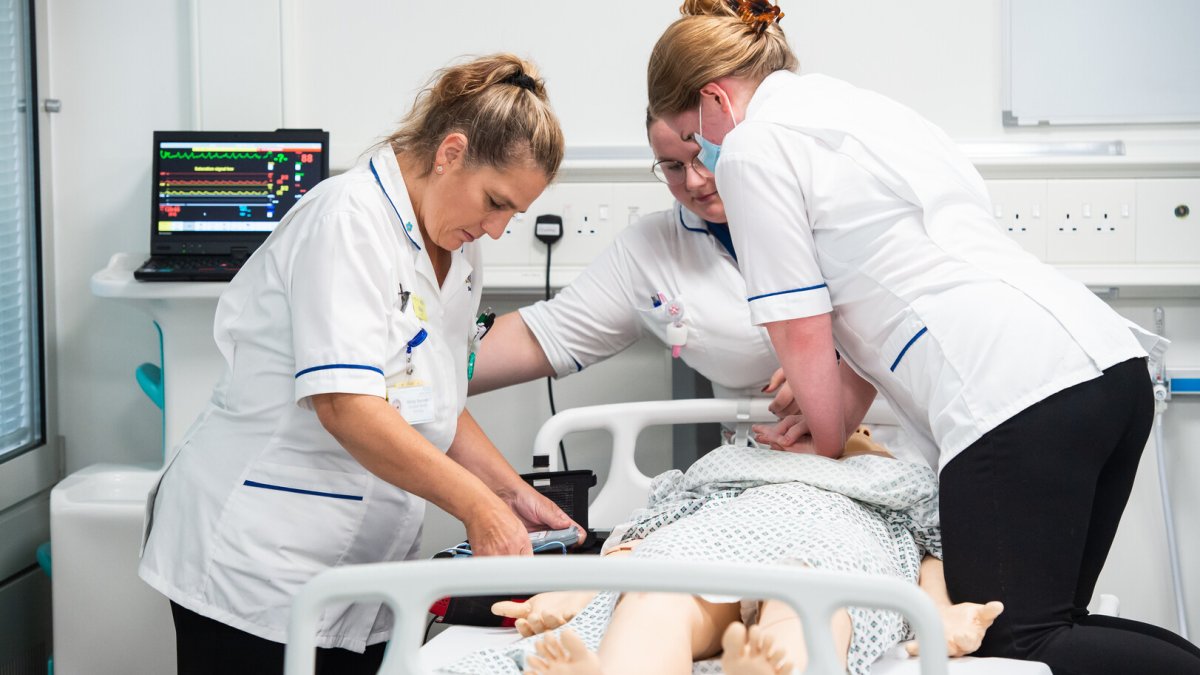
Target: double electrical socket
[
  {"x": 1102, "y": 221},
  {"x": 592, "y": 213}
]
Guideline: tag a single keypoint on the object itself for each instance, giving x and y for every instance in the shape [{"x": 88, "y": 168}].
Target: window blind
[{"x": 20, "y": 368}]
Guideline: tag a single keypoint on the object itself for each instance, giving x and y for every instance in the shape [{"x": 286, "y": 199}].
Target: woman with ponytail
[
  {"x": 348, "y": 339},
  {"x": 871, "y": 257}
]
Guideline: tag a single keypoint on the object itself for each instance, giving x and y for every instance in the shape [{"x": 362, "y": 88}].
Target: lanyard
[{"x": 414, "y": 342}]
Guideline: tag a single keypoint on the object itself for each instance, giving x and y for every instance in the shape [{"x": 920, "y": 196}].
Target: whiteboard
[{"x": 1101, "y": 61}]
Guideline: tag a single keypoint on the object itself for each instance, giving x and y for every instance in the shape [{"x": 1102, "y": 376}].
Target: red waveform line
[
  {"x": 212, "y": 182},
  {"x": 210, "y": 174}
]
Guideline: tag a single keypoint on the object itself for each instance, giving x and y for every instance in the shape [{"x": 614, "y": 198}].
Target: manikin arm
[
  {"x": 933, "y": 581},
  {"x": 964, "y": 623},
  {"x": 547, "y": 611},
  {"x": 508, "y": 355}
]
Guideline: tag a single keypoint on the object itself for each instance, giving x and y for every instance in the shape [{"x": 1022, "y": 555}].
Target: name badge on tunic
[{"x": 413, "y": 400}]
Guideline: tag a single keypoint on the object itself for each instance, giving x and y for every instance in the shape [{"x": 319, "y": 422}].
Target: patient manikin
[{"x": 866, "y": 512}]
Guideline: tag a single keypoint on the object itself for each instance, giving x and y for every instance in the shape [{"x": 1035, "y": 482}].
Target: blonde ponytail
[
  {"x": 715, "y": 39},
  {"x": 498, "y": 102}
]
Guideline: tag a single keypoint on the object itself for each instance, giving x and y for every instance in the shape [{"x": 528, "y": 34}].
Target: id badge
[{"x": 414, "y": 402}]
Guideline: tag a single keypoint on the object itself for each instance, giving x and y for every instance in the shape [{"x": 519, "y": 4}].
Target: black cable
[
  {"x": 428, "y": 626},
  {"x": 562, "y": 450}
]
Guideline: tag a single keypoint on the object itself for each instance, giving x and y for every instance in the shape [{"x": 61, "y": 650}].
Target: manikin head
[
  {"x": 483, "y": 143},
  {"x": 861, "y": 443}
]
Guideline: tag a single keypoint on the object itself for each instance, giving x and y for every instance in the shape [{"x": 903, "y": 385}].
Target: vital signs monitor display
[{"x": 234, "y": 185}]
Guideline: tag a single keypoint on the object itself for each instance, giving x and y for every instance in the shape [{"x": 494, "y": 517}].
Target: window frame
[{"x": 35, "y": 249}]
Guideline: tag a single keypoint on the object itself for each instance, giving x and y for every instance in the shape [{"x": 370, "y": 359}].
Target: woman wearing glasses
[{"x": 673, "y": 275}]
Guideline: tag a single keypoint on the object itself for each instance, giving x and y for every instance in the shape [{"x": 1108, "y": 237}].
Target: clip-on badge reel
[{"x": 676, "y": 330}]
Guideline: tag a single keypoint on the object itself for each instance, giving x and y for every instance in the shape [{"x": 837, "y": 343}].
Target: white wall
[
  {"x": 127, "y": 67},
  {"x": 122, "y": 70}
]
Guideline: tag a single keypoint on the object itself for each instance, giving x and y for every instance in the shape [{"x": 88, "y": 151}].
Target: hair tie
[
  {"x": 758, "y": 14},
  {"x": 520, "y": 79}
]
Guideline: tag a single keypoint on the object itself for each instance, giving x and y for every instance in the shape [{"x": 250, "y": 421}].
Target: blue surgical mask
[{"x": 709, "y": 152}]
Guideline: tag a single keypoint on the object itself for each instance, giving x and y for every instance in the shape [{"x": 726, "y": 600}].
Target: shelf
[
  {"x": 529, "y": 279},
  {"x": 1134, "y": 276},
  {"x": 116, "y": 281}
]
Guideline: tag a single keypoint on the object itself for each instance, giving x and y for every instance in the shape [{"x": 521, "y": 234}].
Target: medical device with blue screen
[{"x": 218, "y": 194}]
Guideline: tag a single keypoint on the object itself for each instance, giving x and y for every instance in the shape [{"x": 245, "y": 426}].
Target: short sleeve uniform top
[
  {"x": 611, "y": 304},
  {"x": 341, "y": 298},
  {"x": 841, "y": 200}
]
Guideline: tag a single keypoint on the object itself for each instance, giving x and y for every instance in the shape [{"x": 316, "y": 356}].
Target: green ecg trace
[{"x": 167, "y": 154}]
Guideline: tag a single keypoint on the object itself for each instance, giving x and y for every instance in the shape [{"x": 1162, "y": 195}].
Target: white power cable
[
  {"x": 1161, "y": 395},
  {"x": 1160, "y": 405}
]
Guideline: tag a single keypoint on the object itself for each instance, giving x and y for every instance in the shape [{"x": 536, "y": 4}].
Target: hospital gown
[{"x": 864, "y": 514}]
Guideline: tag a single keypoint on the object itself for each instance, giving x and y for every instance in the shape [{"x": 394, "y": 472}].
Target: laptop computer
[{"x": 218, "y": 194}]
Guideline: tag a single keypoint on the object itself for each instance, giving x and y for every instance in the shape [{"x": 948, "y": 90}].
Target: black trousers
[
  {"x": 209, "y": 647},
  {"x": 1029, "y": 512}
]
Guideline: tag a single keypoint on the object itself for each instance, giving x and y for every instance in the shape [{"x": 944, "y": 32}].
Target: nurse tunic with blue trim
[
  {"x": 844, "y": 201},
  {"x": 608, "y": 306},
  {"x": 260, "y": 497}
]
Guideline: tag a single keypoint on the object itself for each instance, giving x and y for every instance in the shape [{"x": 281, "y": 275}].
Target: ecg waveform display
[{"x": 232, "y": 187}]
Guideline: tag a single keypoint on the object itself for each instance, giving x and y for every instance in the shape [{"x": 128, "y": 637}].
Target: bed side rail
[
  {"x": 408, "y": 588},
  {"x": 627, "y": 487}
]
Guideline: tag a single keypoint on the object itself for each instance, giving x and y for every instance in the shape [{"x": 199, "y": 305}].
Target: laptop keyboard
[{"x": 189, "y": 268}]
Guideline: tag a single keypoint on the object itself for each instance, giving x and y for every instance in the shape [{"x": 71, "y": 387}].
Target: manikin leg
[
  {"x": 775, "y": 645},
  {"x": 648, "y": 633}
]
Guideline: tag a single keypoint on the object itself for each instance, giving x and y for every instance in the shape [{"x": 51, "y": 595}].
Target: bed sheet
[{"x": 452, "y": 643}]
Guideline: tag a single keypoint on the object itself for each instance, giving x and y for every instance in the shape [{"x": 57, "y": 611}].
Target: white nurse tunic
[
  {"x": 260, "y": 497},
  {"x": 841, "y": 199},
  {"x": 610, "y": 305}
]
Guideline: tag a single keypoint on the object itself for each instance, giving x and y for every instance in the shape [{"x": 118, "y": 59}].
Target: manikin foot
[
  {"x": 965, "y": 625},
  {"x": 568, "y": 656},
  {"x": 544, "y": 611},
  {"x": 751, "y": 653}
]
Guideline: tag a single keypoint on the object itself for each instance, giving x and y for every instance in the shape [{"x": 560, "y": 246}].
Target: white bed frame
[{"x": 409, "y": 588}]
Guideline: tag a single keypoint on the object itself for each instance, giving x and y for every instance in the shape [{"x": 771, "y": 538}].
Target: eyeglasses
[{"x": 674, "y": 172}]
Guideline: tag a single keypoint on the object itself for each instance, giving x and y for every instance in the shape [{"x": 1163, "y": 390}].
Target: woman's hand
[
  {"x": 495, "y": 530},
  {"x": 537, "y": 512},
  {"x": 790, "y": 434},
  {"x": 784, "y": 403}
]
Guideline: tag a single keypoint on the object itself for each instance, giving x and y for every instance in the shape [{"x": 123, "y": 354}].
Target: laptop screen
[{"x": 218, "y": 190}]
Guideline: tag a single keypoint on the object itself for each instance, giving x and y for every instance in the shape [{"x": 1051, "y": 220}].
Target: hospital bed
[{"x": 410, "y": 587}]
